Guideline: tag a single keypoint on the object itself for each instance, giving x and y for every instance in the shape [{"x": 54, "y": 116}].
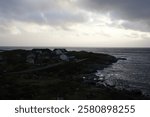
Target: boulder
[{"x": 64, "y": 57}]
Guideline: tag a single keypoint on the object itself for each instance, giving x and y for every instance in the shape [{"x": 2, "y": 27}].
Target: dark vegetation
[{"x": 60, "y": 82}]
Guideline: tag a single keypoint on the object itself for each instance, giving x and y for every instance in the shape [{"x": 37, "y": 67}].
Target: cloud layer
[
  {"x": 136, "y": 13},
  {"x": 89, "y": 21},
  {"x": 51, "y": 12}
]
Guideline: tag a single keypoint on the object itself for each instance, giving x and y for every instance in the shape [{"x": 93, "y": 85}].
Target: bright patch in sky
[{"x": 72, "y": 23}]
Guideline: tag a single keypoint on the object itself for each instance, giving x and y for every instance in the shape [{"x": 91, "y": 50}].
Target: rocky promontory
[{"x": 57, "y": 74}]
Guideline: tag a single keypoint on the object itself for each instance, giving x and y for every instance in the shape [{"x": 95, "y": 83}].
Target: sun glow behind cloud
[{"x": 65, "y": 23}]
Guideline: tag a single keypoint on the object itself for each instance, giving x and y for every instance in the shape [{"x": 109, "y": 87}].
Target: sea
[{"x": 130, "y": 74}]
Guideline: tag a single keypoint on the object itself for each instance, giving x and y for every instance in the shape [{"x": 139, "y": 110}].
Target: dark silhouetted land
[{"x": 58, "y": 74}]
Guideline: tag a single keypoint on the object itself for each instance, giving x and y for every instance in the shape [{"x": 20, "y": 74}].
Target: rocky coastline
[{"x": 58, "y": 74}]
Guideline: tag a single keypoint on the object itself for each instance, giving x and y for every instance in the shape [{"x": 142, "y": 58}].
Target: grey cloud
[
  {"x": 54, "y": 12},
  {"x": 51, "y": 12},
  {"x": 127, "y": 9},
  {"x": 137, "y": 25},
  {"x": 134, "y": 11}
]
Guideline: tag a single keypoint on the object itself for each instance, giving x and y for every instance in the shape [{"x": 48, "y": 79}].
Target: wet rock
[
  {"x": 121, "y": 58},
  {"x": 110, "y": 83},
  {"x": 100, "y": 84}
]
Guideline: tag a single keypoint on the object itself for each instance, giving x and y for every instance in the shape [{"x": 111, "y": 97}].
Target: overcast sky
[{"x": 75, "y": 23}]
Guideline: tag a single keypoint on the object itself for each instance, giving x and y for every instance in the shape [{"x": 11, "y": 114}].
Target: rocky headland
[{"x": 58, "y": 74}]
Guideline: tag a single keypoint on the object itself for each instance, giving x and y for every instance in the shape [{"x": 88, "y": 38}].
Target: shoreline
[{"x": 66, "y": 81}]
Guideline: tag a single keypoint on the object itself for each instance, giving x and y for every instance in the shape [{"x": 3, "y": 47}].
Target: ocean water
[{"x": 133, "y": 73}]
